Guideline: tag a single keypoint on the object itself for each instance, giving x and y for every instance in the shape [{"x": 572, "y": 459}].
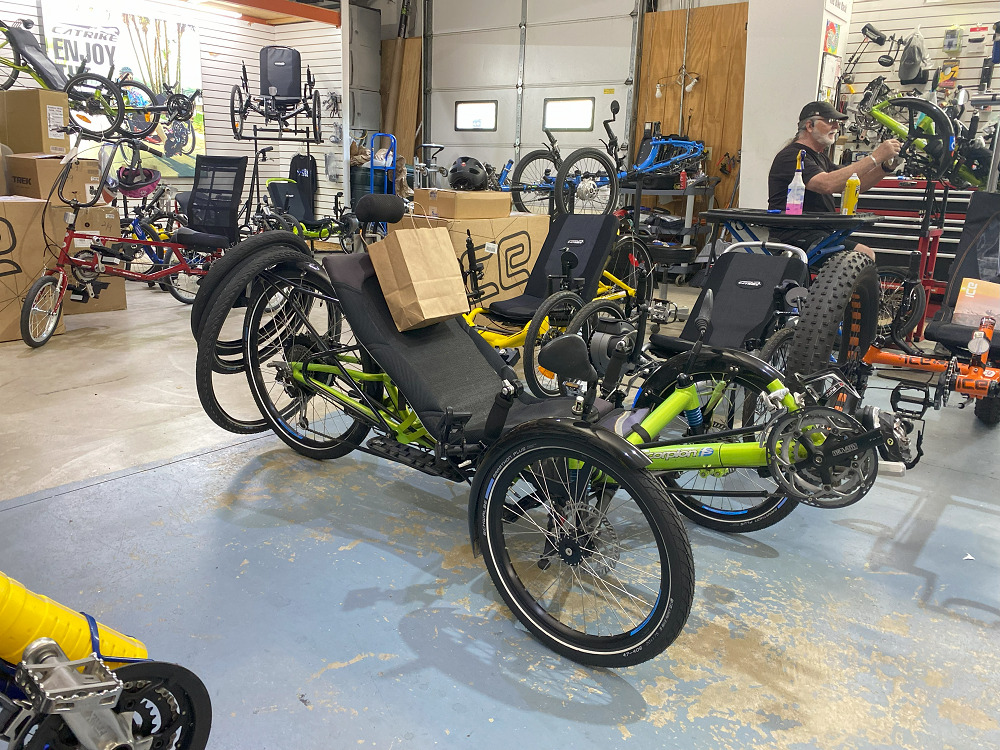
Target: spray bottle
[
  {"x": 849, "y": 201},
  {"x": 796, "y": 189}
]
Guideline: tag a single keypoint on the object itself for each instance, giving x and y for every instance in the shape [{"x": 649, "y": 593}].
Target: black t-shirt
[{"x": 782, "y": 171}]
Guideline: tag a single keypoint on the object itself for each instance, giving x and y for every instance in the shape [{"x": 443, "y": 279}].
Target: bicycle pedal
[
  {"x": 79, "y": 294},
  {"x": 55, "y": 684},
  {"x": 907, "y": 395}
]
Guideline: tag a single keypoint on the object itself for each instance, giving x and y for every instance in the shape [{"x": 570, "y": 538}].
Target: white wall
[{"x": 782, "y": 75}]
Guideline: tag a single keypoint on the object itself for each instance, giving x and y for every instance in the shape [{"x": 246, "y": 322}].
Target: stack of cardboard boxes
[
  {"x": 507, "y": 244},
  {"x": 33, "y": 148}
]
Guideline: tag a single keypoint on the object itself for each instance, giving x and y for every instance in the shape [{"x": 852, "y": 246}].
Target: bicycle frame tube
[
  {"x": 182, "y": 266},
  {"x": 970, "y": 379}
]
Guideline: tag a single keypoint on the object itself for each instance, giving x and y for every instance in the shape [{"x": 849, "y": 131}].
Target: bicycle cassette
[{"x": 821, "y": 457}]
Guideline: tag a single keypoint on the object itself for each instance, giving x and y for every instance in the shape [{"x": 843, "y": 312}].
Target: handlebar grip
[
  {"x": 266, "y": 149},
  {"x": 914, "y": 267}
]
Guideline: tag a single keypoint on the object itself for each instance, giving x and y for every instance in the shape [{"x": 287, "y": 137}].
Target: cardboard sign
[
  {"x": 977, "y": 299},
  {"x": 420, "y": 277}
]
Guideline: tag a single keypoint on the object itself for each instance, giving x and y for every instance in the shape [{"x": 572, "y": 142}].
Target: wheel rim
[
  {"x": 737, "y": 405},
  {"x": 581, "y": 556},
  {"x": 94, "y": 106},
  {"x": 890, "y": 299},
  {"x": 279, "y": 342},
  {"x": 44, "y": 312},
  {"x": 552, "y": 327},
  {"x": 533, "y": 188},
  {"x": 589, "y": 187},
  {"x": 136, "y": 123}
]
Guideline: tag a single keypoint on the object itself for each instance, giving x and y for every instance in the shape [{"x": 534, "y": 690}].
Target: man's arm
[{"x": 869, "y": 170}]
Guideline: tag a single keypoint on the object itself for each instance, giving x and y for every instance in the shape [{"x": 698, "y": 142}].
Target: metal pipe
[{"x": 684, "y": 68}]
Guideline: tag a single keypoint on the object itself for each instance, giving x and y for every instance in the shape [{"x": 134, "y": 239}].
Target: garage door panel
[
  {"x": 497, "y": 155},
  {"x": 585, "y": 51},
  {"x": 443, "y": 116},
  {"x": 454, "y": 15},
  {"x": 531, "y": 116},
  {"x": 478, "y": 59},
  {"x": 546, "y": 11}
]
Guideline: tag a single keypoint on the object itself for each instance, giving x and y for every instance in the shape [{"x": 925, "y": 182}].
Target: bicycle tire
[
  {"x": 33, "y": 334},
  {"x": 584, "y": 324},
  {"x": 237, "y": 112},
  {"x": 528, "y": 548},
  {"x": 209, "y": 364},
  {"x": 987, "y": 410},
  {"x": 16, "y": 59},
  {"x": 845, "y": 292},
  {"x": 892, "y": 285},
  {"x": 564, "y": 305},
  {"x": 192, "y": 140},
  {"x": 317, "y": 118},
  {"x": 85, "y": 110},
  {"x": 181, "y": 284},
  {"x": 775, "y": 352},
  {"x": 229, "y": 261},
  {"x": 585, "y": 197},
  {"x": 631, "y": 262},
  {"x": 539, "y": 199},
  {"x": 135, "y": 123},
  {"x": 732, "y": 515},
  {"x": 311, "y": 425}
]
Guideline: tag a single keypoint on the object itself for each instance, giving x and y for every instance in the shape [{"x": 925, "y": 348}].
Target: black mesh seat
[
  {"x": 590, "y": 237},
  {"x": 26, "y": 45},
  {"x": 977, "y": 257},
  {"x": 190, "y": 238},
  {"x": 743, "y": 286},
  {"x": 441, "y": 366},
  {"x": 214, "y": 205}
]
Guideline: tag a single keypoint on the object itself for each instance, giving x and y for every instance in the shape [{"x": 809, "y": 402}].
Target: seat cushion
[
  {"x": 668, "y": 346},
  {"x": 956, "y": 336},
  {"x": 191, "y": 238},
  {"x": 518, "y": 309}
]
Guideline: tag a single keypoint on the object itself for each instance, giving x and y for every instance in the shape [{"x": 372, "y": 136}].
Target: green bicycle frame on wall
[{"x": 901, "y": 131}]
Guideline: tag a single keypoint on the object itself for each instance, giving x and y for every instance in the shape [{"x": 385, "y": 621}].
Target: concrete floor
[{"x": 338, "y": 604}]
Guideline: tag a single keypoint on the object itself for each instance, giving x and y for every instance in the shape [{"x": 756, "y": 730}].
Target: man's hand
[{"x": 886, "y": 150}]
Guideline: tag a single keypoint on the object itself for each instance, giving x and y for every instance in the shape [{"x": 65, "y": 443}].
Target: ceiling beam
[{"x": 290, "y": 8}]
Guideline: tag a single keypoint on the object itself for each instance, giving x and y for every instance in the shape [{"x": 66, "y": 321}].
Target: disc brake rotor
[{"x": 805, "y": 471}]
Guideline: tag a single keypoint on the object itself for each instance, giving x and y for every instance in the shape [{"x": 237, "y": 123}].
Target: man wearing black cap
[{"x": 819, "y": 126}]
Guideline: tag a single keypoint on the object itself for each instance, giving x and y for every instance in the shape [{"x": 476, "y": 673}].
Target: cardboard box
[
  {"x": 33, "y": 175},
  {"x": 29, "y": 119},
  {"x": 977, "y": 299},
  {"x": 456, "y": 204},
  {"x": 518, "y": 239},
  {"x": 22, "y": 259}
]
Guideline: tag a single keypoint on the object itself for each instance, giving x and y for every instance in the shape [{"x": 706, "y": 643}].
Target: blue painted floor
[{"x": 337, "y": 604}]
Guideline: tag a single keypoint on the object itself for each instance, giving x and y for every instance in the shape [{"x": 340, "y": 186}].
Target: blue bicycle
[{"x": 590, "y": 177}]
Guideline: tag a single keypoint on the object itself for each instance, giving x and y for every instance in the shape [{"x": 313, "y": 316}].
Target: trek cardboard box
[
  {"x": 30, "y": 118},
  {"x": 456, "y": 204},
  {"x": 22, "y": 257},
  {"x": 517, "y": 238},
  {"x": 977, "y": 299},
  {"x": 33, "y": 175}
]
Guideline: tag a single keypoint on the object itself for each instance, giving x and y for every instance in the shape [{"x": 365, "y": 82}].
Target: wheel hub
[
  {"x": 587, "y": 189},
  {"x": 571, "y": 551}
]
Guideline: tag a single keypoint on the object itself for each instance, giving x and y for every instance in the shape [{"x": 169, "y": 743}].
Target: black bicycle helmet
[{"x": 467, "y": 173}]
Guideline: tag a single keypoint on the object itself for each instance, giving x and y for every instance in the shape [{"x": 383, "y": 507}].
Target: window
[
  {"x": 568, "y": 114},
  {"x": 476, "y": 115}
]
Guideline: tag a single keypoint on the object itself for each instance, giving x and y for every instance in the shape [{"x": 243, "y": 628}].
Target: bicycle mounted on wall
[{"x": 281, "y": 101}]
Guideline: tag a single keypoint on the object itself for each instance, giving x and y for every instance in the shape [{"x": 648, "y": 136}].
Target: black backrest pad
[
  {"x": 285, "y": 196},
  {"x": 977, "y": 254},
  {"x": 27, "y": 45},
  {"x": 215, "y": 197},
  {"x": 589, "y": 236},
  {"x": 280, "y": 67},
  {"x": 436, "y": 367},
  {"x": 743, "y": 286}
]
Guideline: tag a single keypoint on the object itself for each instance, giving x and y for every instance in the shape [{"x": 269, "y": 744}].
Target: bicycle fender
[
  {"x": 630, "y": 455},
  {"x": 755, "y": 370}
]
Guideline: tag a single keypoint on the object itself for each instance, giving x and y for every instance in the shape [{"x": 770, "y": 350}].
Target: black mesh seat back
[
  {"x": 743, "y": 287},
  {"x": 215, "y": 197},
  {"x": 590, "y": 237},
  {"x": 28, "y": 47},
  {"x": 286, "y": 196},
  {"x": 281, "y": 67},
  {"x": 435, "y": 367},
  {"x": 651, "y": 130},
  {"x": 978, "y": 254}
]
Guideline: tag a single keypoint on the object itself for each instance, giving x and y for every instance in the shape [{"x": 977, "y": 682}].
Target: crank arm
[{"x": 842, "y": 452}]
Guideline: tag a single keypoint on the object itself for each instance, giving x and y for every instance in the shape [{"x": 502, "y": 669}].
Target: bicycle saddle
[{"x": 191, "y": 238}]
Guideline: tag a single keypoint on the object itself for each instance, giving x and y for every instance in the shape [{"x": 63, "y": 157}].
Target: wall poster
[{"x": 144, "y": 45}]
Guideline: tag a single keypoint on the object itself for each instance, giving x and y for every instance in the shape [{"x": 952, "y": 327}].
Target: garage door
[{"x": 582, "y": 52}]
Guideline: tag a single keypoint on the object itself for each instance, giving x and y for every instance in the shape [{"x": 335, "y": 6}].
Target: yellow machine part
[{"x": 25, "y": 616}]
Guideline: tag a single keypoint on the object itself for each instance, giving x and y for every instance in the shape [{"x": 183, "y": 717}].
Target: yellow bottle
[
  {"x": 849, "y": 202},
  {"x": 25, "y": 616}
]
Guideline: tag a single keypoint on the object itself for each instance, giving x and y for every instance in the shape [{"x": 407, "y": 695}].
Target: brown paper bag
[{"x": 420, "y": 277}]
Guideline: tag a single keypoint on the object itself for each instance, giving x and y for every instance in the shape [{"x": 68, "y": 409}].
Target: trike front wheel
[
  {"x": 586, "y": 551},
  {"x": 549, "y": 321},
  {"x": 41, "y": 311},
  {"x": 96, "y": 105},
  {"x": 587, "y": 183}
]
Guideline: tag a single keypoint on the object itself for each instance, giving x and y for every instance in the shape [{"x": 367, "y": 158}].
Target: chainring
[
  {"x": 169, "y": 706},
  {"x": 86, "y": 275},
  {"x": 804, "y": 471}
]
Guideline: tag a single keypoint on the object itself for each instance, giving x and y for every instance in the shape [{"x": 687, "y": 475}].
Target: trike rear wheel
[
  {"x": 550, "y": 320},
  {"x": 95, "y": 104},
  {"x": 41, "y": 311},
  {"x": 532, "y": 181},
  {"x": 9, "y": 74},
  {"x": 587, "y": 183},
  {"x": 290, "y": 328},
  {"x": 586, "y": 550}
]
